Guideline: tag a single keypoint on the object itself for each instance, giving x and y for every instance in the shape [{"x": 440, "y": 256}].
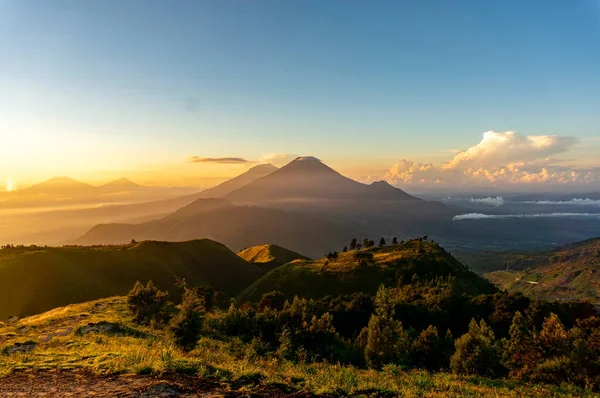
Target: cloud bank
[
  {"x": 497, "y": 201},
  {"x": 481, "y": 216},
  {"x": 575, "y": 202},
  {"x": 500, "y": 158},
  {"x": 197, "y": 159}
]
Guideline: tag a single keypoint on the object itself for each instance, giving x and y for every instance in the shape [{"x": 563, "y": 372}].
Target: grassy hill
[
  {"x": 36, "y": 279},
  {"x": 391, "y": 265},
  {"x": 268, "y": 257},
  {"x": 566, "y": 273},
  {"x": 69, "y": 349}
]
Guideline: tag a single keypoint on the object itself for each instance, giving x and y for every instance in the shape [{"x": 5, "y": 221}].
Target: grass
[
  {"x": 318, "y": 278},
  {"x": 268, "y": 257},
  {"x": 143, "y": 351},
  {"x": 36, "y": 279}
]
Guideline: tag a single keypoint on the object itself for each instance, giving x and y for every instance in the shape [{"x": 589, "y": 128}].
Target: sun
[{"x": 10, "y": 185}]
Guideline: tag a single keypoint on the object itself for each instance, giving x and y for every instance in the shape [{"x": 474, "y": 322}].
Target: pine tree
[
  {"x": 476, "y": 352},
  {"x": 382, "y": 242},
  {"x": 353, "y": 244},
  {"x": 387, "y": 341},
  {"x": 520, "y": 354},
  {"x": 187, "y": 325},
  {"x": 552, "y": 339},
  {"x": 394, "y": 241}
]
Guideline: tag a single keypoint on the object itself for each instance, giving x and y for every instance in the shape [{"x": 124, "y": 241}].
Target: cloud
[
  {"x": 481, "y": 216},
  {"x": 498, "y": 159},
  {"x": 575, "y": 201},
  {"x": 197, "y": 159},
  {"x": 497, "y": 201},
  {"x": 278, "y": 159}
]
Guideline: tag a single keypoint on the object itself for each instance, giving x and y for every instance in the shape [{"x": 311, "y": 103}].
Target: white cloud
[
  {"x": 481, "y": 216},
  {"x": 497, "y": 201},
  {"x": 575, "y": 201},
  {"x": 498, "y": 159}
]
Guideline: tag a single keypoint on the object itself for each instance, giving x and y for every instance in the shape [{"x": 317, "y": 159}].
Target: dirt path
[{"x": 69, "y": 384}]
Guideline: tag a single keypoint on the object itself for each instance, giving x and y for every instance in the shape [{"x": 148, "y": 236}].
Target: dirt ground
[{"x": 70, "y": 384}]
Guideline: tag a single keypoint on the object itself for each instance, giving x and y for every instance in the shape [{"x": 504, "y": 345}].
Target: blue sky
[{"x": 140, "y": 84}]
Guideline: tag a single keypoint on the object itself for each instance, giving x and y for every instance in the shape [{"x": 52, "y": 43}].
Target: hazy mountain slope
[
  {"x": 237, "y": 227},
  {"x": 568, "y": 272},
  {"x": 267, "y": 257},
  {"x": 33, "y": 279},
  {"x": 391, "y": 265},
  {"x": 231, "y": 185},
  {"x": 307, "y": 178}
]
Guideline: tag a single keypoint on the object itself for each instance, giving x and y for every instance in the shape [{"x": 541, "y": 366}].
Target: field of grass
[
  {"x": 99, "y": 338},
  {"x": 36, "y": 279},
  {"x": 344, "y": 275}
]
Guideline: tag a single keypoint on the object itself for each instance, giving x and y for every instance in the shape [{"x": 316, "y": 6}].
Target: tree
[
  {"x": 382, "y": 242},
  {"x": 387, "y": 341},
  {"x": 148, "y": 304},
  {"x": 345, "y": 249},
  {"x": 552, "y": 339},
  {"x": 371, "y": 243},
  {"x": 476, "y": 352},
  {"x": 519, "y": 353},
  {"x": 394, "y": 241},
  {"x": 274, "y": 300},
  {"x": 429, "y": 351},
  {"x": 365, "y": 243},
  {"x": 187, "y": 324},
  {"x": 353, "y": 244},
  {"x": 358, "y": 246}
]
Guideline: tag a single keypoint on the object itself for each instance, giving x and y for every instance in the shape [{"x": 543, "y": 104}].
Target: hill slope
[
  {"x": 391, "y": 265},
  {"x": 237, "y": 227},
  {"x": 568, "y": 272},
  {"x": 267, "y": 257},
  {"x": 34, "y": 279}
]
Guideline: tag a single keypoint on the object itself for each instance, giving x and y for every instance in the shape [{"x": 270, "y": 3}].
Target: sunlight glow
[{"x": 10, "y": 185}]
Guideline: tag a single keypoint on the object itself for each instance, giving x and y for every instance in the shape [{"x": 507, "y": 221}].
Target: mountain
[
  {"x": 57, "y": 185},
  {"x": 35, "y": 279},
  {"x": 236, "y": 226},
  {"x": 235, "y": 183},
  {"x": 308, "y": 179},
  {"x": 570, "y": 272},
  {"x": 390, "y": 265},
  {"x": 268, "y": 257},
  {"x": 122, "y": 184}
]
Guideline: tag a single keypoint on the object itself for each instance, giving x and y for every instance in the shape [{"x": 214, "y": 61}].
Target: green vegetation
[
  {"x": 364, "y": 271},
  {"x": 36, "y": 279},
  {"x": 567, "y": 273},
  {"x": 268, "y": 257},
  {"x": 63, "y": 339}
]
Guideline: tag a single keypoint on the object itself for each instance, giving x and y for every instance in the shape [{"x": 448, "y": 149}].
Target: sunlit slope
[
  {"x": 391, "y": 265},
  {"x": 33, "y": 280},
  {"x": 568, "y": 272},
  {"x": 268, "y": 257}
]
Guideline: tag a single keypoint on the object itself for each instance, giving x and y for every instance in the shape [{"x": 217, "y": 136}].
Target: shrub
[
  {"x": 187, "y": 325},
  {"x": 148, "y": 304},
  {"x": 274, "y": 300}
]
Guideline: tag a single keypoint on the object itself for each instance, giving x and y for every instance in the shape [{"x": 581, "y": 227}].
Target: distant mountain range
[{"x": 305, "y": 206}]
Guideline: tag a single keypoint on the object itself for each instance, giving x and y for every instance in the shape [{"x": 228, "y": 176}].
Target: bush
[
  {"x": 274, "y": 300},
  {"x": 148, "y": 304},
  {"x": 187, "y": 325}
]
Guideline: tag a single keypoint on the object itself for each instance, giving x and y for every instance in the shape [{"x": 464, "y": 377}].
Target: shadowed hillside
[
  {"x": 35, "y": 279},
  {"x": 237, "y": 227},
  {"x": 566, "y": 273},
  {"x": 267, "y": 257},
  {"x": 364, "y": 271}
]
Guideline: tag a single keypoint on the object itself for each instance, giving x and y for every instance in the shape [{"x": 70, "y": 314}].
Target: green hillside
[
  {"x": 566, "y": 273},
  {"x": 268, "y": 257},
  {"x": 96, "y": 345},
  {"x": 391, "y": 265},
  {"x": 36, "y": 279}
]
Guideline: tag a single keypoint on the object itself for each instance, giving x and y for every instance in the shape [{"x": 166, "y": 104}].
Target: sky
[{"x": 425, "y": 94}]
